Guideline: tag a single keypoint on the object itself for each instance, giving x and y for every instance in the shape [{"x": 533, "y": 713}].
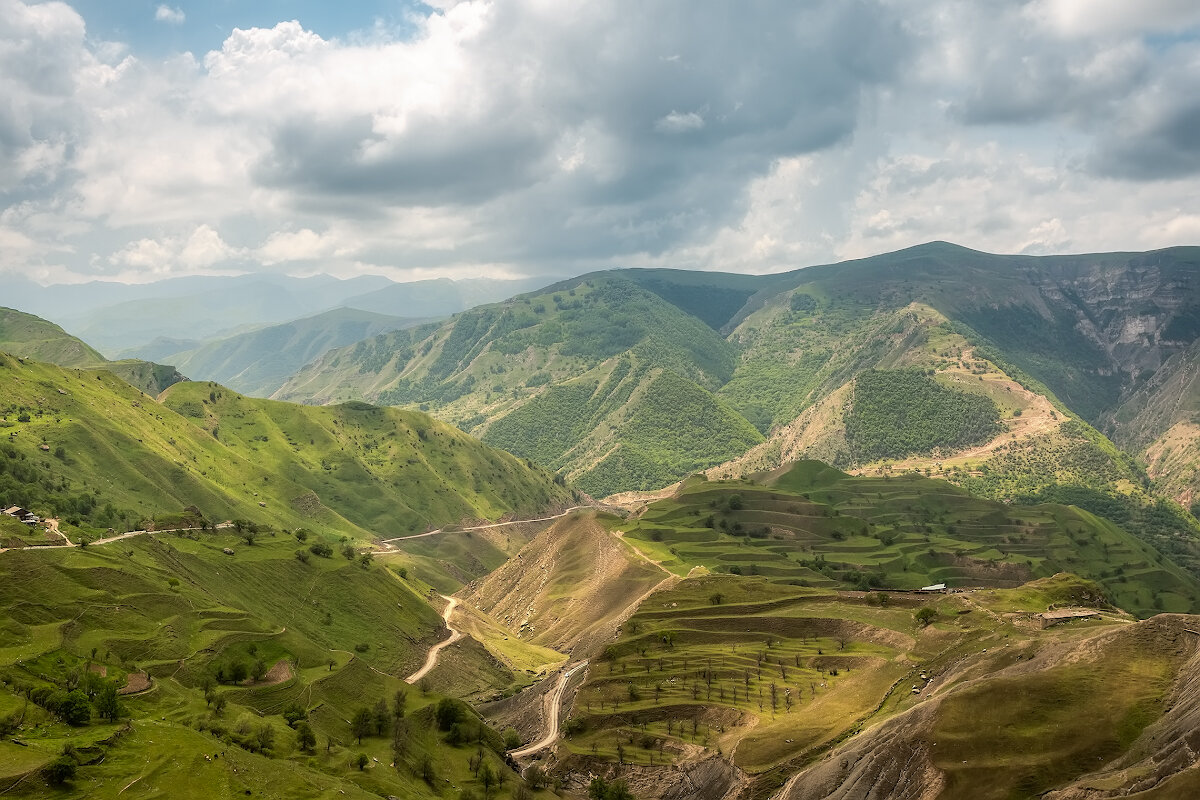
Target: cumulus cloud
[
  {"x": 679, "y": 123},
  {"x": 511, "y": 137},
  {"x": 197, "y": 252},
  {"x": 169, "y": 15}
]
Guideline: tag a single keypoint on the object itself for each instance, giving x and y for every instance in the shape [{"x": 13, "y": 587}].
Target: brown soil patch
[
  {"x": 100, "y": 670},
  {"x": 280, "y": 672},
  {"x": 135, "y": 683}
]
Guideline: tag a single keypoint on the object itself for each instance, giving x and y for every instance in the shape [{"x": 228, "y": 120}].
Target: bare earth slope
[{"x": 568, "y": 589}]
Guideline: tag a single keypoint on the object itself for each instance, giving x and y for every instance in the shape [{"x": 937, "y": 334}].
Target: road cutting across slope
[
  {"x": 551, "y": 715},
  {"x": 432, "y": 659}
]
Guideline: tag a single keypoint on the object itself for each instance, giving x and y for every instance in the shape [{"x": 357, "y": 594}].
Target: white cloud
[
  {"x": 507, "y": 136},
  {"x": 303, "y": 245},
  {"x": 170, "y": 15},
  {"x": 1083, "y": 18},
  {"x": 676, "y": 122},
  {"x": 196, "y": 253}
]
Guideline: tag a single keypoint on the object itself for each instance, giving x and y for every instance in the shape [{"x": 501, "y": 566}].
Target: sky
[{"x": 141, "y": 141}]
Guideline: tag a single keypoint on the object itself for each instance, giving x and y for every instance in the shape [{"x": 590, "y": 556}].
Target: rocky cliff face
[{"x": 1140, "y": 312}]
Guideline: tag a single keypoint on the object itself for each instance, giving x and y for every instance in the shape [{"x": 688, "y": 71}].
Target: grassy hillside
[
  {"x": 620, "y": 350},
  {"x": 259, "y": 362},
  {"x": 175, "y": 614},
  {"x": 1044, "y": 339},
  {"x": 33, "y": 337},
  {"x": 628, "y": 427},
  {"x": 96, "y": 452},
  {"x": 1041, "y": 451},
  {"x": 811, "y": 525}
]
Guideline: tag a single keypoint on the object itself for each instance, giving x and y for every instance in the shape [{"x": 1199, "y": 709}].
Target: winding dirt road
[
  {"x": 432, "y": 659},
  {"x": 108, "y": 540},
  {"x": 552, "y": 716}
]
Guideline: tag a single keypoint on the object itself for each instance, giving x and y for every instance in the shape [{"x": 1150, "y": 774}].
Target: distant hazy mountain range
[
  {"x": 115, "y": 317},
  {"x": 260, "y": 361}
]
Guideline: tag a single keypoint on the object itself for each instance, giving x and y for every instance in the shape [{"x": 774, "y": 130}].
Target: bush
[
  {"x": 59, "y": 771},
  {"x": 447, "y": 713}
]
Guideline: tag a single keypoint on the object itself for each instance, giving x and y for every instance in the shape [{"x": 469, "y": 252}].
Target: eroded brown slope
[{"x": 569, "y": 588}]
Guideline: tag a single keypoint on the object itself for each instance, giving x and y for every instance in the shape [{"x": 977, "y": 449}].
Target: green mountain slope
[
  {"x": 259, "y": 362},
  {"x": 1087, "y": 327},
  {"x": 33, "y": 337},
  {"x": 1045, "y": 339},
  {"x": 626, "y": 427},
  {"x": 100, "y": 454},
  {"x": 634, "y": 350}
]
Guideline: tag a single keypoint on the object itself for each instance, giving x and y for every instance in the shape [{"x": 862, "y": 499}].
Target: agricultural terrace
[
  {"x": 812, "y": 525},
  {"x": 776, "y": 674}
]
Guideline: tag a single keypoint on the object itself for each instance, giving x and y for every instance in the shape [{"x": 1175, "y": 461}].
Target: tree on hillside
[
  {"x": 306, "y": 740},
  {"x": 362, "y": 723},
  {"x": 447, "y": 713},
  {"x": 925, "y": 615},
  {"x": 60, "y": 770},
  {"x": 382, "y": 716},
  {"x": 107, "y": 705},
  {"x": 487, "y": 777},
  {"x": 600, "y": 789}
]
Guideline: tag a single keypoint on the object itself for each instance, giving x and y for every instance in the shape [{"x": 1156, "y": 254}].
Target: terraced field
[
  {"x": 246, "y": 654},
  {"x": 811, "y": 525},
  {"x": 774, "y": 677}
]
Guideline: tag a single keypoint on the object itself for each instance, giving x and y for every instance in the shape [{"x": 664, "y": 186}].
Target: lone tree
[
  {"x": 59, "y": 771},
  {"x": 926, "y": 615}
]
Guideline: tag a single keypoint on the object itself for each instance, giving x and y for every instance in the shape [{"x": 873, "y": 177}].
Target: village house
[{"x": 23, "y": 514}]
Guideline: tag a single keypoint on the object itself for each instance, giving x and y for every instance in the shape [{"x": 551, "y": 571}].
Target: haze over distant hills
[
  {"x": 258, "y": 362},
  {"x": 116, "y": 317},
  {"x": 32, "y": 337}
]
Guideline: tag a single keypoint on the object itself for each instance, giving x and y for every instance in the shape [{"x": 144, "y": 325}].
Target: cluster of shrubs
[{"x": 75, "y": 702}]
